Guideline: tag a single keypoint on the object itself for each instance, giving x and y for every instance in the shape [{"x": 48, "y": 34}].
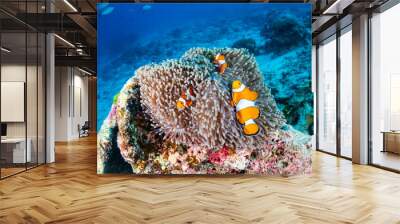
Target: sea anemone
[{"x": 210, "y": 121}]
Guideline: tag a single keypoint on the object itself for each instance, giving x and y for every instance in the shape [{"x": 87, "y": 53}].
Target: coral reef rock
[
  {"x": 144, "y": 117},
  {"x": 295, "y": 34},
  {"x": 248, "y": 43}
]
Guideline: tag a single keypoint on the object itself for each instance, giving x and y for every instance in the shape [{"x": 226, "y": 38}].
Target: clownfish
[
  {"x": 220, "y": 63},
  {"x": 246, "y": 111},
  {"x": 186, "y": 99}
]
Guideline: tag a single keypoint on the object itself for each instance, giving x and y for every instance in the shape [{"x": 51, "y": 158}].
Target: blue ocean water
[{"x": 279, "y": 35}]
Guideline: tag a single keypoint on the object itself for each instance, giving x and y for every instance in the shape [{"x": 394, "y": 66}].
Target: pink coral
[{"x": 219, "y": 156}]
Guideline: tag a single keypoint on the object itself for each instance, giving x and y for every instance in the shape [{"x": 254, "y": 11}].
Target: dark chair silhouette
[{"x": 84, "y": 130}]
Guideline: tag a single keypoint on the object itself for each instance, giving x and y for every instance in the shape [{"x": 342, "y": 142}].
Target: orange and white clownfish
[
  {"x": 186, "y": 99},
  {"x": 246, "y": 111},
  {"x": 220, "y": 63}
]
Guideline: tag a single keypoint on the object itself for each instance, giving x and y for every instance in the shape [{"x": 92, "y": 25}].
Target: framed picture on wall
[{"x": 12, "y": 101}]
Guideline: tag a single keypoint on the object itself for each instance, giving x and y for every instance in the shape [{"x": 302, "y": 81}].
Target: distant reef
[{"x": 145, "y": 133}]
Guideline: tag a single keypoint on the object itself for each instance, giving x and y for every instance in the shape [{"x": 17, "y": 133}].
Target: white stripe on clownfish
[
  {"x": 182, "y": 100},
  {"x": 240, "y": 89},
  {"x": 243, "y": 104},
  {"x": 251, "y": 121},
  {"x": 221, "y": 62}
]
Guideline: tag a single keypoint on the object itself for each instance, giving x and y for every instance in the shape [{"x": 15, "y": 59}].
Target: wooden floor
[
  {"x": 387, "y": 159},
  {"x": 70, "y": 191},
  {"x": 8, "y": 171},
  {"x": 5, "y": 172}
]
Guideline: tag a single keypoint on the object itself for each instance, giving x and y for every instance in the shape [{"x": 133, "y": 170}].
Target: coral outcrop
[
  {"x": 248, "y": 43},
  {"x": 295, "y": 34},
  {"x": 153, "y": 136}
]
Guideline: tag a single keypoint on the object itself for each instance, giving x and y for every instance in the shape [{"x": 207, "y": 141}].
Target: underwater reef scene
[{"x": 206, "y": 99}]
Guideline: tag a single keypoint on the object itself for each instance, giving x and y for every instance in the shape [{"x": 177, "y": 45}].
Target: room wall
[
  {"x": 71, "y": 102},
  {"x": 61, "y": 103},
  {"x": 33, "y": 127},
  {"x": 16, "y": 73}
]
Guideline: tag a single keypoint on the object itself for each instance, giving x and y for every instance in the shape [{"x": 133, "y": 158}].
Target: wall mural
[{"x": 204, "y": 88}]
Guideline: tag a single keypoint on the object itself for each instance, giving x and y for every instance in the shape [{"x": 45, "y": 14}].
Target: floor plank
[{"x": 70, "y": 191}]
